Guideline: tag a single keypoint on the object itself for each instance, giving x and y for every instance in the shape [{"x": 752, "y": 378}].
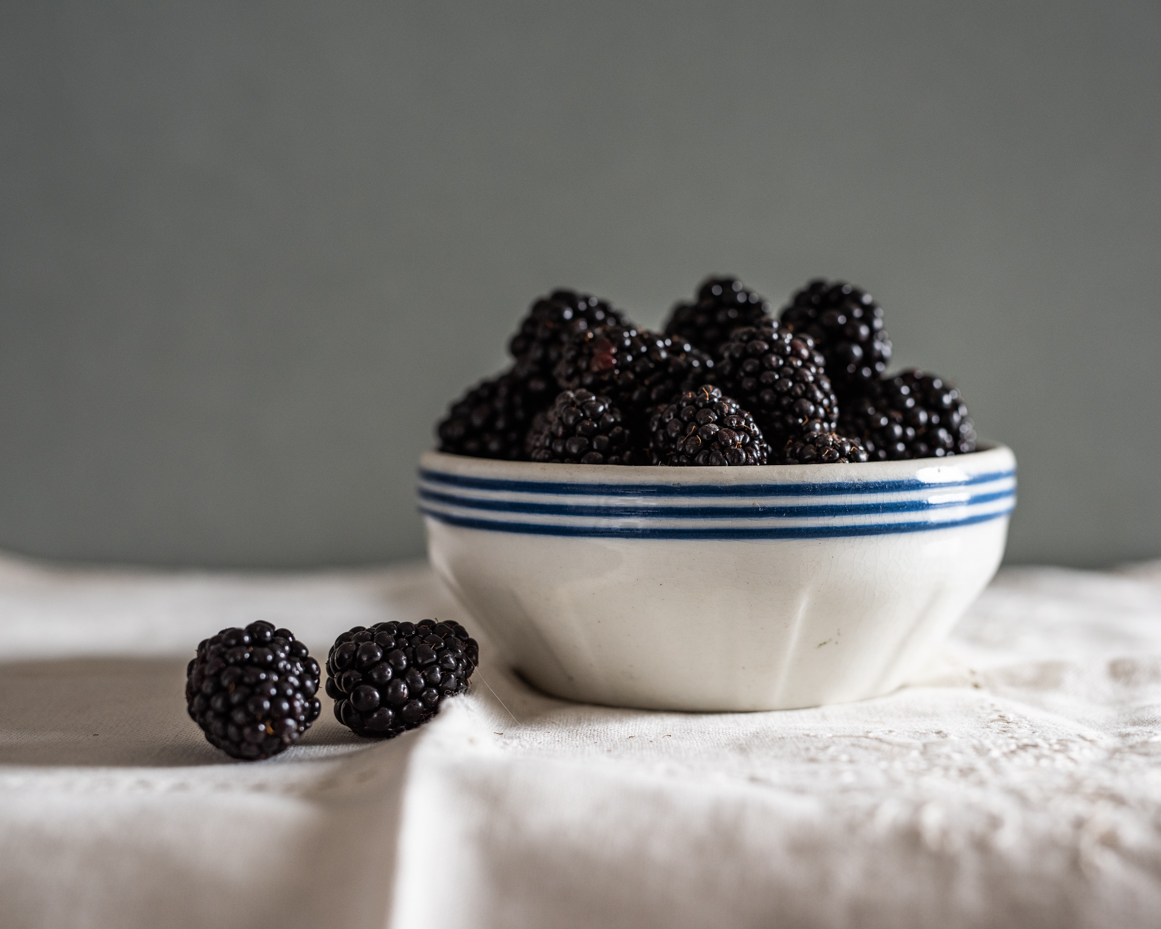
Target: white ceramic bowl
[{"x": 717, "y": 589}]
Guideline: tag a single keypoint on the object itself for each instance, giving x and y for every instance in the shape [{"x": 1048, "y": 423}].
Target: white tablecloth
[{"x": 1018, "y": 784}]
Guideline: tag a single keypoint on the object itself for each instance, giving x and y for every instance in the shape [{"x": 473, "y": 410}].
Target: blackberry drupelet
[
  {"x": 492, "y": 419},
  {"x": 635, "y": 369},
  {"x": 582, "y": 428},
  {"x": 723, "y": 304},
  {"x": 394, "y": 676},
  {"x": 551, "y": 323},
  {"x": 702, "y": 427},
  {"x": 822, "y": 448},
  {"x": 252, "y": 690},
  {"x": 779, "y": 378},
  {"x": 847, "y": 327},
  {"x": 912, "y": 415}
]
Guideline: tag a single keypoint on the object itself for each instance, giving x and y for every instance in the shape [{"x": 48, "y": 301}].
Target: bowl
[{"x": 717, "y": 589}]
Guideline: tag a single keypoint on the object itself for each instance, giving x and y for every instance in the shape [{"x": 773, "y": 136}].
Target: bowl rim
[{"x": 994, "y": 459}]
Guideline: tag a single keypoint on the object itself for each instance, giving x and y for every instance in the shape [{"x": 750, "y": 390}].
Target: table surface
[{"x": 1017, "y": 783}]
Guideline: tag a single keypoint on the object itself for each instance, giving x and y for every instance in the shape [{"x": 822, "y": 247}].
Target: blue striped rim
[
  {"x": 709, "y": 512},
  {"x": 827, "y": 488},
  {"x": 693, "y": 534}
]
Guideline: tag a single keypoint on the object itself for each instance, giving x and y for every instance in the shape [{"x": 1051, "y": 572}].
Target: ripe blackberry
[
  {"x": 847, "y": 327},
  {"x": 582, "y": 428},
  {"x": 822, "y": 448},
  {"x": 252, "y": 690},
  {"x": 492, "y": 419},
  {"x": 635, "y": 369},
  {"x": 723, "y": 304},
  {"x": 780, "y": 378},
  {"x": 702, "y": 427},
  {"x": 551, "y": 323},
  {"x": 912, "y": 415},
  {"x": 394, "y": 676}
]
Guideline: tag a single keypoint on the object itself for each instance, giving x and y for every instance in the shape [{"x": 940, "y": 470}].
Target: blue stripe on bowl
[
  {"x": 705, "y": 533},
  {"x": 827, "y": 488},
  {"x": 712, "y": 512}
]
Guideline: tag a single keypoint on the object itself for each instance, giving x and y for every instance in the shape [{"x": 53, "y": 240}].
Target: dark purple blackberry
[
  {"x": 822, "y": 448},
  {"x": 702, "y": 427},
  {"x": 582, "y": 428},
  {"x": 912, "y": 415},
  {"x": 635, "y": 369},
  {"x": 847, "y": 327},
  {"x": 492, "y": 419},
  {"x": 394, "y": 676},
  {"x": 723, "y": 304},
  {"x": 551, "y": 323},
  {"x": 780, "y": 379},
  {"x": 252, "y": 690}
]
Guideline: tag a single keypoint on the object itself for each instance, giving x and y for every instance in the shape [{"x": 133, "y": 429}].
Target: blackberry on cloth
[
  {"x": 847, "y": 327},
  {"x": 394, "y": 676},
  {"x": 912, "y": 415},
  {"x": 702, "y": 427},
  {"x": 252, "y": 691},
  {"x": 822, "y": 448},
  {"x": 780, "y": 378},
  {"x": 582, "y": 428},
  {"x": 723, "y": 304}
]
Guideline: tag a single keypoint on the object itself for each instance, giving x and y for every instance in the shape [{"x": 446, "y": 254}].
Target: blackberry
[
  {"x": 635, "y": 369},
  {"x": 492, "y": 419},
  {"x": 780, "y": 378},
  {"x": 822, "y": 448},
  {"x": 723, "y": 304},
  {"x": 394, "y": 676},
  {"x": 912, "y": 415},
  {"x": 582, "y": 428},
  {"x": 702, "y": 427},
  {"x": 552, "y": 322},
  {"x": 252, "y": 690},
  {"x": 847, "y": 327}
]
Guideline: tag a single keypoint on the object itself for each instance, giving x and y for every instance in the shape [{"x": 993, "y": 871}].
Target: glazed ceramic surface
[{"x": 716, "y": 589}]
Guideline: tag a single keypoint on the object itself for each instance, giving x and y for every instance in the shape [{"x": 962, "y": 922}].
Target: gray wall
[{"x": 248, "y": 252}]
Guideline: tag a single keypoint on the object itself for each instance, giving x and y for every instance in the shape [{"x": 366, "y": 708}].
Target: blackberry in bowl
[
  {"x": 846, "y": 325},
  {"x": 582, "y": 428},
  {"x": 702, "y": 427},
  {"x": 723, "y": 304}
]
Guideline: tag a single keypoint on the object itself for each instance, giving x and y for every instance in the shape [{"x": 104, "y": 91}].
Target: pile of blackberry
[
  {"x": 252, "y": 690},
  {"x": 394, "y": 676},
  {"x": 586, "y": 386}
]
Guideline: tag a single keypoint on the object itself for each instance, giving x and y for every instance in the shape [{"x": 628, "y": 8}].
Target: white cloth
[{"x": 1018, "y": 784}]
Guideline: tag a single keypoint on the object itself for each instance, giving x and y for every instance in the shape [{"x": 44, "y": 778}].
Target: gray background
[{"x": 248, "y": 252}]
